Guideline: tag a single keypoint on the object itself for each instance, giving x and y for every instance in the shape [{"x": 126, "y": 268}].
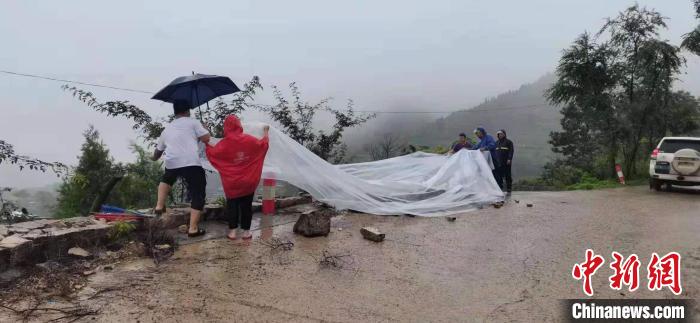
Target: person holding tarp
[
  {"x": 486, "y": 143},
  {"x": 462, "y": 143},
  {"x": 239, "y": 158}
]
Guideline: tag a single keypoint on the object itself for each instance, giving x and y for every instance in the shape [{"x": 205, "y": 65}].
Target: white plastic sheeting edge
[{"x": 419, "y": 184}]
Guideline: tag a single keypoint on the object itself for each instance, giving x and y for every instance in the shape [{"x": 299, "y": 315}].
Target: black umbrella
[{"x": 196, "y": 89}]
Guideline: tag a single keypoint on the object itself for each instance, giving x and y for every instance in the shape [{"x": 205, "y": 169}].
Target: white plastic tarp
[{"x": 419, "y": 184}]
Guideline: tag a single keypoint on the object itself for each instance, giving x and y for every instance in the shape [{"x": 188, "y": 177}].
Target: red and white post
[
  {"x": 620, "y": 175},
  {"x": 268, "y": 202}
]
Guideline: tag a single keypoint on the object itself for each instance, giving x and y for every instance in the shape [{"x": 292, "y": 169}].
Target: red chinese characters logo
[
  {"x": 662, "y": 271},
  {"x": 587, "y": 269},
  {"x": 626, "y": 272},
  {"x": 665, "y": 272}
]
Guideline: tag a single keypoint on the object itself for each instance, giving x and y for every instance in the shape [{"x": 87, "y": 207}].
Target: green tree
[
  {"x": 585, "y": 86},
  {"x": 79, "y": 189},
  {"x": 618, "y": 95},
  {"x": 296, "y": 119},
  {"x": 139, "y": 187},
  {"x": 691, "y": 40}
]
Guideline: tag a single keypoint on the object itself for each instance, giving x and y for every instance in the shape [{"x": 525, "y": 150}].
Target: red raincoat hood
[{"x": 232, "y": 126}]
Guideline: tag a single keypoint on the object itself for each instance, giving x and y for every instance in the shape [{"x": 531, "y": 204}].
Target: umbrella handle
[{"x": 199, "y": 108}]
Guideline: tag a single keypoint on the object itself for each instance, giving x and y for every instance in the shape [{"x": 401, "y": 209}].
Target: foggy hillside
[{"x": 523, "y": 113}]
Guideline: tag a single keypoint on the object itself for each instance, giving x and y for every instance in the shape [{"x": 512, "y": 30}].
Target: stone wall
[{"x": 33, "y": 242}]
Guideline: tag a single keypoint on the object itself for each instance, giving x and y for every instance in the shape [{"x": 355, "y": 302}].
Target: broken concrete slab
[
  {"x": 372, "y": 234},
  {"x": 49, "y": 239},
  {"x": 13, "y": 241},
  {"x": 30, "y": 225},
  {"x": 314, "y": 223},
  {"x": 79, "y": 252}
]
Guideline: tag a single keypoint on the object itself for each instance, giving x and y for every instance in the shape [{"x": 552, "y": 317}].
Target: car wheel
[{"x": 655, "y": 184}]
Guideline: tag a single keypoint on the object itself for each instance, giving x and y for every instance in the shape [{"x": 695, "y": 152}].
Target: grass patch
[{"x": 592, "y": 183}]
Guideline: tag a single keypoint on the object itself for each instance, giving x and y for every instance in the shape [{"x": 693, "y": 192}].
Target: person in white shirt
[{"x": 179, "y": 142}]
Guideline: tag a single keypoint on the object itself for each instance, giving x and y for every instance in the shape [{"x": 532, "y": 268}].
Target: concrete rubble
[
  {"x": 79, "y": 252},
  {"x": 372, "y": 234}
]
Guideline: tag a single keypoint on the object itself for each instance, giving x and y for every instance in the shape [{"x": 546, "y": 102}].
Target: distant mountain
[{"x": 524, "y": 114}]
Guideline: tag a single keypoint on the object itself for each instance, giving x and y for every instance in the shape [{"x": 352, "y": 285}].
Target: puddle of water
[{"x": 262, "y": 225}]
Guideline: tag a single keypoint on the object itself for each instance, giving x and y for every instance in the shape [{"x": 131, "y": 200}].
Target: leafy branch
[
  {"x": 7, "y": 153},
  {"x": 142, "y": 121}
]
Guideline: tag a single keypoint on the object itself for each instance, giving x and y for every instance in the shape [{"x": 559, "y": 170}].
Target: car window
[{"x": 671, "y": 146}]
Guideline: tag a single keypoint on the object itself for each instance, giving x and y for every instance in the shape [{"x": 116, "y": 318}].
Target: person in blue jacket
[{"x": 486, "y": 142}]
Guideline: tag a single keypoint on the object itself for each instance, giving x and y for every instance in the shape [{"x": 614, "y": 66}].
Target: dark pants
[
  {"x": 240, "y": 208},
  {"x": 196, "y": 181},
  {"x": 501, "y": 172}
]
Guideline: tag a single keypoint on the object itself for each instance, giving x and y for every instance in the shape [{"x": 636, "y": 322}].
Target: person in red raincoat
[{"x": 239, "y": 159}]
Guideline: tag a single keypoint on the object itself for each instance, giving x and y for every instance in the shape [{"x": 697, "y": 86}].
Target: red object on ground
[
  {"x": 239, "y": 159},
  {"x": 268, "y": 203},
  {"x": 109, "y": 217},
  {"x": 620, "y": 176}
]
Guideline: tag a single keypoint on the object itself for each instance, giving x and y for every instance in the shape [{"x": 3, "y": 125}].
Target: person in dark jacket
[{"x": 504, "y": 160}]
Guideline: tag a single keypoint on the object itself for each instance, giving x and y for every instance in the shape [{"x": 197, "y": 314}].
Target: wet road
[{"x": 491, "y": 265}]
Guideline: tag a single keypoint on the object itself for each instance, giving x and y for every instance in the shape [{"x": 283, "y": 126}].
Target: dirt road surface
[{"x": 511, "y": 264}]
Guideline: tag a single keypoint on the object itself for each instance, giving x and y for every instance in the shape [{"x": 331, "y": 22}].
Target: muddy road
[{"x": 491, "y": 265}]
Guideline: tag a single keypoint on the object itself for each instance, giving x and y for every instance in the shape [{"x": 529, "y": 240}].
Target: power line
[
  {"x": 495, "y": 108},
  {"x": 75, "y": 82},
  {"x": 361, "y": 111}
]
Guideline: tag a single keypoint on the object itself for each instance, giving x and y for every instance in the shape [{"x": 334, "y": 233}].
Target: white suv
[{"x": 675, "y": 161}]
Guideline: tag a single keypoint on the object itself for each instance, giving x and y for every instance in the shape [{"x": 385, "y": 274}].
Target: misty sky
[{"x": 397, "y": 55}]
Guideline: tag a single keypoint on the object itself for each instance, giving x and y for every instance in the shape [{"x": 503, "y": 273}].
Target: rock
[
  {"x": 88, "y": 272},
  {"x": 517, "y": 201},
  {"x": 451, "y": 219},
  {"x": 340, "y": 229},
  {"x": 314, "y": 223},
  {"x": 107, "y": 267},
  {"x": 372, "y": 234},
  {"x": 79, "y": 252},
  {"x": 4, "y": 231},
  {"x": 12, "y": 241},
  {"x": 162, "y": 247},
  {"x": 529, "y": 204},
  {"x": 50, "y": 265},
  {"x": 10, "y": 274},
  {"x": 183, "y": 228}
]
